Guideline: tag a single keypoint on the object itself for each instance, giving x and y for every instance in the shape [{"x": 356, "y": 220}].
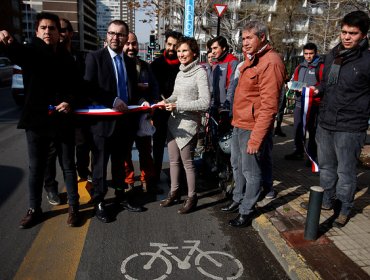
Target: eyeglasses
[{"x": 119, "y": 35}]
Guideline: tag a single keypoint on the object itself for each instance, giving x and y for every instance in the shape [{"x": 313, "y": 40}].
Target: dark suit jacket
[
  {"x": 102, "y": 87},
  {"x": 49, "y": 79}
]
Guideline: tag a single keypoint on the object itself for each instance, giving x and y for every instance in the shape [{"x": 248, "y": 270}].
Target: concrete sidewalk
[{"x": 338, "y": 253}]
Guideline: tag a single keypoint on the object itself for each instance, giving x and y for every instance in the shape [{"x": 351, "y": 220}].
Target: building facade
[
  {"x": 11, "y": 17},
  {"x": 81, "y": 13},
  {"x": 108, "y": 10}
]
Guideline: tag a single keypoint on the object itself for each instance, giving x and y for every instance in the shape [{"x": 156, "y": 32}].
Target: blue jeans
[
  {"x": 338, "y": 154},
  {"x": 247, "y": 169}
]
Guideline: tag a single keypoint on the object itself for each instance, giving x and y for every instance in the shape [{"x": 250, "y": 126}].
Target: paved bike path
[
  {"x": 97, "y": 251},
  {"x": 57, "y": 245},
  {"x": 132, "y": 233}
]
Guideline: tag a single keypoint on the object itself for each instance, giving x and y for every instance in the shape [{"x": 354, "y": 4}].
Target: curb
[{"x": 294, "y": 264}]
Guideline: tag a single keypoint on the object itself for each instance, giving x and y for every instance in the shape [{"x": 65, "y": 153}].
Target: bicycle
[
  {"x": 182, "y": 264},
  {"x": 214, "y": 151}
]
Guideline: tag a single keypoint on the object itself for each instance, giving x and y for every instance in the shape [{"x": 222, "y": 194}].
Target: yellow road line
[{"x": 56, "y": 251}]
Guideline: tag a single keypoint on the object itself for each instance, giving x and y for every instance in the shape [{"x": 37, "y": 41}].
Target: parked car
[
  {"x": 6, "y": 71},
  {"x": 17, "y": 85}
]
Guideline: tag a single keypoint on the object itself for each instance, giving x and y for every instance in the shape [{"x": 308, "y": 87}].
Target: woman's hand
[{"x": 170, "y": 106}]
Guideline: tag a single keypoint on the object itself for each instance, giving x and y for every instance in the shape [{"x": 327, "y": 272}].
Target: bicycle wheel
[
  {"x": 132, "y": 264},
  {"x": 220, "y": 263}
]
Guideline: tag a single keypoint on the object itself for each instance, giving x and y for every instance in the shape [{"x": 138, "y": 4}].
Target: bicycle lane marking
[
  {"x": 55, "y": 253},
  {"x": 165, "y": 253}
]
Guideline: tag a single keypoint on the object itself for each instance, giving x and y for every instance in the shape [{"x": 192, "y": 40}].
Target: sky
[{"x": 142, "y": 30}]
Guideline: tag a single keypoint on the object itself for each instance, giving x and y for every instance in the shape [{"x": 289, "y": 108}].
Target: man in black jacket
[
  {"x": 111, "y": 80},
  {"x": 82, "y": 130},
  {"x": 46, "y": 115},
  {"x": 148, "y": 88},
  {"x": 165, "y": 69},
  {"x": 344, "y": 114}
]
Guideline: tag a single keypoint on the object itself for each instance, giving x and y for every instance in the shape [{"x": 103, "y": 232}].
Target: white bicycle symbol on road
[{"x": 148, "y": 260}]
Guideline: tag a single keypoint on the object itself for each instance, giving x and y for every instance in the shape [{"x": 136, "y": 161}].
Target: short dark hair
[
  {"x": 174, "y": 34},
  {"x": 209, "y": 44},
  {"x": 221, "y": 40},
  {"x": 69, "y": 25},
  {"x": 191, "y": 42},
  {"x": 49, "y": 16},
  {"x": 357, "y": 19},
  {"x": 119, "y": 22},
  {"x": 310, "y": 46}
]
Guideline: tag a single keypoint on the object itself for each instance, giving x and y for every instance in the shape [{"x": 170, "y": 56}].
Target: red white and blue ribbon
[
  {"x": 100, "y": 110},
  {"x": 307, "y": 100}
]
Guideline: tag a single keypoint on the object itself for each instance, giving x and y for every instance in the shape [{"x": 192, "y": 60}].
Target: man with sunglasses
[
  {"x": 82, "y": 133},
  {"x": 111, "y": 81}
]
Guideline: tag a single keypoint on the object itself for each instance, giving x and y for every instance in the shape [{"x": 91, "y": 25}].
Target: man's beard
[
  {"x": 132, "y": 53},
  {"x": 170, "y": 56}
]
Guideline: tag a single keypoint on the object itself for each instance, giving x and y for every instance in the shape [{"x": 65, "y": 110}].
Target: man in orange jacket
[{"x": 255, "y": 106}]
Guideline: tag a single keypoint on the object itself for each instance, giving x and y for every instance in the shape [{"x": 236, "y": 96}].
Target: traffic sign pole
[
  {"x": 218, "y": 25},
  {"x": 220, "y": 10}
]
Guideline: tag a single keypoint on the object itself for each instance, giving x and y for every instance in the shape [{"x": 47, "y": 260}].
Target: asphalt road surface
[{"x": 155, "y": 244}]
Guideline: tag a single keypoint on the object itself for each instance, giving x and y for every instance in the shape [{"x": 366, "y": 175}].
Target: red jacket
[{"x": 318, "y": 68}]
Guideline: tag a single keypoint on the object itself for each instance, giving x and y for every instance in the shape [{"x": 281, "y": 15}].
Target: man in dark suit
[{"x": 111, "y": 81}]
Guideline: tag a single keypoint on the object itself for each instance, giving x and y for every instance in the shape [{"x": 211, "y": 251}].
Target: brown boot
[
  {"x": 73, "y": 216},
  {"x": 189, "y": 205},
  {"x": 173, "y": 198},
  {"x": 33, "y": 217}
]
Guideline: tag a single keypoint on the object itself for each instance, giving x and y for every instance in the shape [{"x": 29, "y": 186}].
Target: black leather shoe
[
  {"x": 232, "y": 207},
  {"x": 127, "y": 206},
  {"x": 73, "y": 216},
  {"x": 241, "y": 221},
  {"x": 279, "y": 132},
  {"x": 101, "y": 213}
]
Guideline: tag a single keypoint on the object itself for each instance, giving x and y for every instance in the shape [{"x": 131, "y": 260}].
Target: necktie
[{"x": 122, "y": 91}]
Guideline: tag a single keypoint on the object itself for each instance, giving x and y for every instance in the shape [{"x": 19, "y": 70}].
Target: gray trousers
[{"x": 247, "y": 169}]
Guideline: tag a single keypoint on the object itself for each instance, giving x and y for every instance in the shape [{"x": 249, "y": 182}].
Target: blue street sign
[{"x": 189, "y": 18}]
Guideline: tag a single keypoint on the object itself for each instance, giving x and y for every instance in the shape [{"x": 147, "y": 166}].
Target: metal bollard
[{"x": 313, "y": 214}]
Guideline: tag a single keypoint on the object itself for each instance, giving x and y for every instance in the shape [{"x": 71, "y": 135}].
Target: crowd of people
[{"x": 58, "y": 80}]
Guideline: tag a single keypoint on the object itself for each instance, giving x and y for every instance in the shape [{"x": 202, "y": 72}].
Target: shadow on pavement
[{"x": 10, "y": 178}]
